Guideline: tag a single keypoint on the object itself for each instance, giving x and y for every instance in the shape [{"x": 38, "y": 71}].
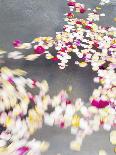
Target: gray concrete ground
[{"x": 26, "y": 19}]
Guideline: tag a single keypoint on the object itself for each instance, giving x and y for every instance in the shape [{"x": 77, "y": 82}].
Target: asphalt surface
[{"x": 27, "y": 19}]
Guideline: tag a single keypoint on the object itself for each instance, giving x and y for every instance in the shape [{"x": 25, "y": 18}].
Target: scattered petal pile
[
  {"x": 24, "y": 102},
  {"x": 20, "y": 110}
]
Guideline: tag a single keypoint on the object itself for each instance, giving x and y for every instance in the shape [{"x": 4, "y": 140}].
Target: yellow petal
[
  {"x": 2, "y": 52},
  {"x": 76, "y": 121},
  {"x": 19, "y": 72},
  {"x": 82, "y": 64},
  {"x": 49, "y": 56},
  {"x": 8, "y": 121},
  {"x": 115, "y": 19},
  {"x": 102, "y": 152},
  {"x": 44, "y": 146},
  {"x": 115, "y": 149},
  {"x": 98, "y": 8},
  {"x": 32, "y": 57},
  {"x": 3, "y": 149},
  {"x": 113, "y": 137},
  {"x": 75, "y": 146},
  {"x": 37, "y": 40}
]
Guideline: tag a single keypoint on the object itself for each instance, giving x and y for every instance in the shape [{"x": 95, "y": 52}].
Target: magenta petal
[
  {"x": 62, "y": 125},
  {"x": 16, "y": 43},
  {"x": 82, "y": 10},
  {"x": 39, "y": 50},
  {"x": 100, "y": 103},
  {"x": 68, "y": 102},
  {"x": 23, "y": 150},
  {"x": 10, "y": 79},
  {"x": 113, "y": 46},
  {"x": 78, "y": 43},
  {"x": 95, "y": 103},
  {"x": 71, "y": 3},
  {"x": 103, "y": 104}
]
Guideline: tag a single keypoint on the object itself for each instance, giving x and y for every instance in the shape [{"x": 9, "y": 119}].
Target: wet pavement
[{"x": 27, "y": 19}]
